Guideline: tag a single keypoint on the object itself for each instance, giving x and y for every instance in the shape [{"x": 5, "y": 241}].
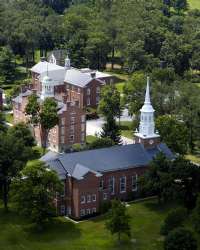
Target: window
[
  {"x": 123, "y": 184},
  {"x": 71, "y": 138},
  {"x": 82, "y": 127},
  {"x": 134, "y": 182},
  {"x": 94, "y": 198},
  {"x": 87, "y": 211},
  {"x": 88, "y": 198},
  {"x": 72, "y": 129},
  {"x": 83, "y": 118},
  {"x": 82, "y": 212},
  {"x": 62, "y": 139},
  {"x": 62, "y": 209},
  {"x": 112, "y": 185},
  {"x": 105, "y": 196},
  {"x": 69, "y": 210},
  {"x": 88, "y": 101},
  {"x": 83, "y": 137},
  {"x": 62, "y": 130},
  {"x": 97, "y": 99},
  {"x": 94, "y": 210},
  {"x": 101, "y": 184},
  {"x": 88, "y": 91},
  {"x": 79, "y": 90},
  {"x": 63, "y": 121},
  {"x": 82, "y": 199},
  {"x": 72, "y": 119},
  {"x": 98, "y": 90}
]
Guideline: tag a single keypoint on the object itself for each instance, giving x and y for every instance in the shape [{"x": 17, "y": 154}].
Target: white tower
[
  {"x": 67, "y": 62},
  {"x": 47, "y": 87},
  {"x": 147, "y": 125}
]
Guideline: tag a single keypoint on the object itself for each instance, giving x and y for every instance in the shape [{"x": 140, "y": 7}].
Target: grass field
[
  {"x": 194, "y": 4},
  {"x": 126, "y": 128},
  {"x": 61, "y": 234}
]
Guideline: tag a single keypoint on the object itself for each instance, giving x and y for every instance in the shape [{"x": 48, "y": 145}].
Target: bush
[
  {"x": 180, "y": 239},
  {"x": 105, "y": 206},
  {"x": 101, "y": 143},
  {"x": 174, "y": 219}
]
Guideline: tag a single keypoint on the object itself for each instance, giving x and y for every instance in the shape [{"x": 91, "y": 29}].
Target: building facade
[
  {"x": 71, "y": 127},
  {"x": 94, "y": 177}
]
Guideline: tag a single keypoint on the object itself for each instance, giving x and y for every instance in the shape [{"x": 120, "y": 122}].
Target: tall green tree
[
  {"x": 33, "y": 192},
  {"x": 110, "y": 108},
  {"x": 7, "y": 66},
  {"x": 173, "y": 132},
  {"x": 119, "y": 221},
  {"x": 13, "y": 157}
]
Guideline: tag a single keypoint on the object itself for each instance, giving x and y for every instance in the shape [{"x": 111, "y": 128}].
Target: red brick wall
[
  {"x": 148, "y": 143},
  {"x": 93, "y": 85},
  {"x": 89, "y": 185}
]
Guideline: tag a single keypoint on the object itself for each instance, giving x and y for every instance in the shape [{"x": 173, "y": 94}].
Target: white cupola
[
  {"x": 47, "y": 87},
  {"x": 67, "y": 62},
  {"x": 147, "y": 124}
]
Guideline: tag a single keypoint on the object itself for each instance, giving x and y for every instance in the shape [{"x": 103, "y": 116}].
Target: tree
[
  {"x": 119, "y": 220},
  {"x": 44, "y": 116},
  {"x": 110, "y": 108},
  {"x": 173, "y": 132},
  {"x": 21, "y": 132},
  {"x": 180, "y": 238},
  {"x": 158, "y": 179},
  {"x": 174, "y": 219},
  {"x": 180, "y": 5},
  {"x": 48, "y": 117},
  {"x": 33, "y": 192},
  {"x": 7, "y": 66},
  {"x": 196, "y": 215},
  {"x": 101, "y": 143},
  {"x": 13, "y": 157}
]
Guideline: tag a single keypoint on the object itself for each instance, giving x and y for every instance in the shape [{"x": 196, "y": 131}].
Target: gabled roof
[
  {"x": 110, "y": 159},
  {"x": 18, "y": 99},
  {"x": 83, "y": 76},
  {"x": 42, "y": 67}
]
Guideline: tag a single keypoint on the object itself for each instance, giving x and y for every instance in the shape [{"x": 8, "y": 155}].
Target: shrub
[
  {"x": 101, "y": 143},
  {"x": 105, "y": 206},
  {"x": 174, "y": 219},
  {"x": 180, "y": 239}
]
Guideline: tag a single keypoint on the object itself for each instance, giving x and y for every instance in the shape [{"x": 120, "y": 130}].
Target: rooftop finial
[{"x": 147, "y": 95}]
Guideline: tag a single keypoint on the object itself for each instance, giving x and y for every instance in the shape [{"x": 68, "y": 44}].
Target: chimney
[
  {"x": 42, "y": 59},
  {"x": 93, "y": 75}
]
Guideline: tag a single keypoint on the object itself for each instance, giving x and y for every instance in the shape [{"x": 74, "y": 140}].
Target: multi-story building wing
[{"x": 93, "y": 177}]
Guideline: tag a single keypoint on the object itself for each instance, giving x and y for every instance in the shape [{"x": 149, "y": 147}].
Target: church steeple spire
[
  {"x": 147, "y": 125},
  {"x": 147, "y": 95}
]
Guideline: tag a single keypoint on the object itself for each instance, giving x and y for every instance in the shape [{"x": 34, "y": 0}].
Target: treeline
[{"x": 134, "y": 34}]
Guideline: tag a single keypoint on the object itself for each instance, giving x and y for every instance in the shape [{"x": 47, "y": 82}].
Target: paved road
[{"x": 94, "y": 127}]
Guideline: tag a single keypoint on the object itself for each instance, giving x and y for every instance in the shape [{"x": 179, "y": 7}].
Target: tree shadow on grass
[
  {"x": 54, "y": 230},
  {"x": 11, "y": 217},
  {"x": 154, "y": 206}
]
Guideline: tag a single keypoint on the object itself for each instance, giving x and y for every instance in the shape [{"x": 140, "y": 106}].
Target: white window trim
[
  {"x": 89, "y": 196},
  {"x": 135, "y": 189},
  {"x": 105, "y": 196},
  {"x": 94, "y": 198},
  {"x": 113, "y": 183},
  {"x": 82, "y": 212},
  {"x": 83, "y": 201},
  {"x": 122, "y": 191}
]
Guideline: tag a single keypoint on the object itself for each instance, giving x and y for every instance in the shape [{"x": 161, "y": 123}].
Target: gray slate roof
[{"x": 107, "y": 159}]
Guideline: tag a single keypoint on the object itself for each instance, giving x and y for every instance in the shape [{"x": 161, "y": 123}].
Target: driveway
[{"x": 94, "y": 127}]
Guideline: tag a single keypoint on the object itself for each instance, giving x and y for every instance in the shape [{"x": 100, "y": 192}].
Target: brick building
[
  {"x": 71, "y": 127},
  {"x": 81, "y": 85},
  {"x": 92, "y": 177}
]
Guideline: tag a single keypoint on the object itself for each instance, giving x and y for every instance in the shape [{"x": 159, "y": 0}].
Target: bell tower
[{"x": 146, "y": 134}]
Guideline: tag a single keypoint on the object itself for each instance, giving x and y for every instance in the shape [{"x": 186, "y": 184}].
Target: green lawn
[
  {"x": 146, "y": 219},
  {"x": 126, "y": 128},
  {"x": 193, "y": 158},
  {"x": 194, "y": 4},
  {"x": 9, "y": 118},
  {"x": 90, "y": 138}
]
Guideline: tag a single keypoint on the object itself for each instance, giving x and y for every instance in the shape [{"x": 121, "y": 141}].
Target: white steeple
[
  {"x": 147, "y": 125},
  {"x": 67, "y": 62},
  {"x": 47, "y": 88}
]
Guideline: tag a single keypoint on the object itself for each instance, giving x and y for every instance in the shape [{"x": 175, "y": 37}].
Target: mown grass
[
  {"x": 194, "y": 4},
  {"x": 146, "y": 218},
  {"x": 126, "y": 128}
]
